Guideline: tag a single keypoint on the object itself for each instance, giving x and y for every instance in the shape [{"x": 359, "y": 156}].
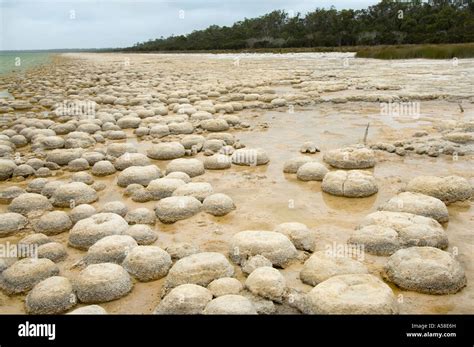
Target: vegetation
[
  {"x": 442, "y": 51},
  {"x": 387, "y": 23}
]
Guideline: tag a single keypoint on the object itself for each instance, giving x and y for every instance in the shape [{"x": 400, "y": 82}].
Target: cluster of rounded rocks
[
  {"x": 408, "y": 229},
  {"x": 118, "y": 243},
  {"x": 349, "y": 180},
  {"x": 181, "y": 116},
  {"x": 342, "y": 285},
  {"x": 453, "y": 138}
]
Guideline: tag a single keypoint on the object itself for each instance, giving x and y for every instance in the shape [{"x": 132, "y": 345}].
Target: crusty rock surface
[
  {"x": 267, "y": 282},
  {"x": 110, "y": 249},
  {"x": 218, "y": 204},
  {"x": 30, "y": 203},
  {"x": 11, "y": 223},
  {"x": 350, "y": 184},
  {"x": 191, "y": 167},
  {"x": 199, "y": 268},
  {"x": 89, "y": 309},
  {"x": 225, "y": 286},
  {"x": 147, "y": 263},
  {"x": 303, "y": 238},
  {"x": 230, "y": 304},
  {"x": 323, "y": 265},
  {"x": 53, "y": 295},
  {"x": 352, "y": 294},
  {"x": 24, "y": 274},
  {"x": 419, "y": 204},
  {"x": 184, "y": 299},
  {"x": 448, "y": 189},
  {"x": 142, "y": 175},
  {"x": 53, "y": 223},
  {"x": 425, "y": 269},
  {"x": 250, "y": 157},
  {"x": 88, "y": 231},
  {"x": 175, "y": 208},
  {"x": 73, "y": 194},
  {"x": 355, "y": 157},
  {"x": 311, "y": 171},
  {"x": 383, "y": 232},
  {"x": 274, "y": 246},
  {"x": 102, "y": 282}
]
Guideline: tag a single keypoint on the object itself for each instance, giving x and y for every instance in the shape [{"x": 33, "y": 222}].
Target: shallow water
[{"x": 17, "y": 62}]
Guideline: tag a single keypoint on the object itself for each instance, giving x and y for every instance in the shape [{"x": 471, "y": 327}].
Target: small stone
[
  {"x": 255, "y": 262},
  {"x": 53, "y": 223},
  {"x": 351, "y": 184},
  {"x": 147, "y": 263},
  {"x": 274, "y": 246},
  {"x": 354, "y": 157},
  {"x": 23, "y": 275},
  {"x": 323, "y": 265},
  {"x": 218, "y": 204},
  {"x": 110, "y": 249},
  {"x": 309, "y": 147},
  {"x": 11, "y": 223},
  {"x": 142, "y": 233},
  {"x": 299, "y": 234},
  {"x": 54, "y": 251},
  {"x": 89, "y": 309},
  {"x": 102, "y": 282},
  {"x": 267, "y": 282},
  {"x": 225, "y": 286},
  {"x": 53, "y": 295},
  {"x": 199, "y": 268},
  {"x": 181, "y": 250},
  {"x": 116, "y": 207},
  {"x": 311, "y": 171},
  {"x": 230, "y": 304},
  {"x": 426, "y": 270},
  {"x": 80, "y": 212},
  {"x": 30, "y": 203},
  {"x": 88, "y": 231},
  {"x": 352, "y": 294},
  {"x": 184, "y": 299},
  {"x": 175, "y": 208},
  {"x": 140, "y": 215}
]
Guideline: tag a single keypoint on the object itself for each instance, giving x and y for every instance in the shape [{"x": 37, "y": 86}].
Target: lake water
[{"x": 20, "y": 61}]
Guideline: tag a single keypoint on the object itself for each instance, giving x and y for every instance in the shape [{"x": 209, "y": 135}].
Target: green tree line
[{"x": 386, "y": 23}]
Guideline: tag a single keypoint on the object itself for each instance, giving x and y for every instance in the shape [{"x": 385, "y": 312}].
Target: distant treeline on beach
[{"x": 387, "y": 23}]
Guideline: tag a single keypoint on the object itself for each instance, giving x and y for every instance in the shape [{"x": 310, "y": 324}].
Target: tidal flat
[{"x": 300, "y": 183}]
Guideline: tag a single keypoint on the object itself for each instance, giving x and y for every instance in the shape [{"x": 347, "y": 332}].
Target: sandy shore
[{"x": 277, "y": 102}]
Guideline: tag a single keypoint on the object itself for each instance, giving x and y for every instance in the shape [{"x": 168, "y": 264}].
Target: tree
[{"x": 388, "y": 22}]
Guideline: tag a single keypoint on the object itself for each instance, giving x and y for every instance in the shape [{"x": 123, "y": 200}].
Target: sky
[{"x": 55, "y": 24}]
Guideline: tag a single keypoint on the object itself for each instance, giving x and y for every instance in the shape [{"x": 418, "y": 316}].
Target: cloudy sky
[{"x": 48, "y": 24}]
